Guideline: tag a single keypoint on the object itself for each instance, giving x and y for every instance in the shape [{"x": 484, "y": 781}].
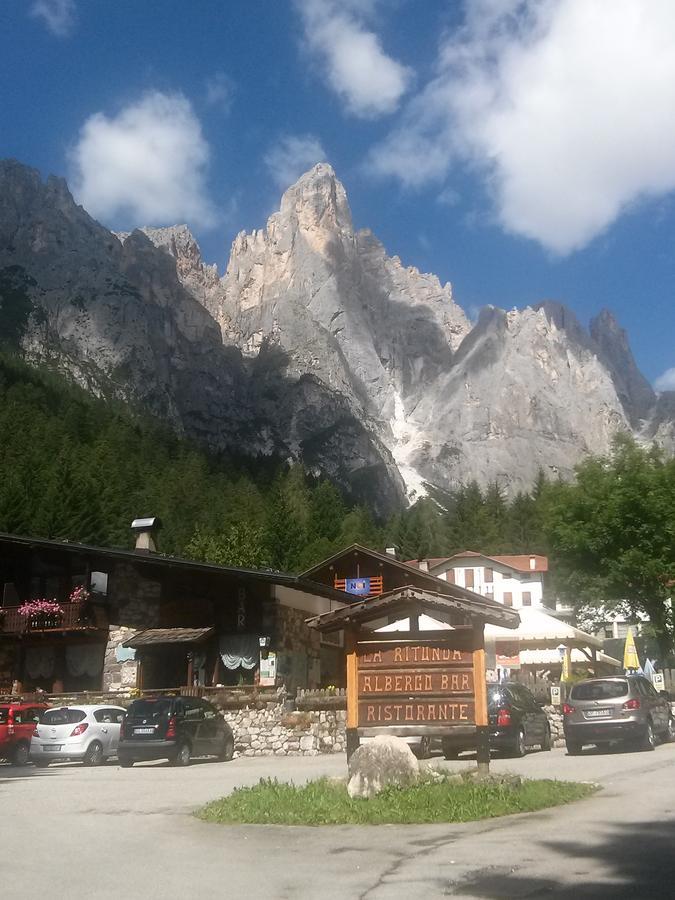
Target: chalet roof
[
  {"x": 417, "y": 575},
  {"x": 519, "y": 562},
  {"x": 160, "y": 636},
  {"x": 404, "y": 600},
  {"x": 299, "y": 582}
]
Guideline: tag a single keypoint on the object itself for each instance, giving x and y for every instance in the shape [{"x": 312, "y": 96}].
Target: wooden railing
[{"x": 78, "y": 616}]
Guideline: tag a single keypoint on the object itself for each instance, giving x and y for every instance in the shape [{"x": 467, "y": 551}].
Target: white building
[{"x": 516, "y": 581}]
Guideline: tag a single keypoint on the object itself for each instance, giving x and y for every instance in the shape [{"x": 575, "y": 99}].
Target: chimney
[
  {"x": 533, "y": 563},
  {"x": 146, "y": 532},
  {"x": 392, "y": 551},
  {"x": 423, "y": 565}
]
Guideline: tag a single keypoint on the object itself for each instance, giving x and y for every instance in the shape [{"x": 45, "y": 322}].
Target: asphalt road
[{"x": 114, "y": 832}]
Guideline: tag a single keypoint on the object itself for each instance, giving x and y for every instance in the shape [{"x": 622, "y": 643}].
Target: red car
[{"x": 17, "y": 723}]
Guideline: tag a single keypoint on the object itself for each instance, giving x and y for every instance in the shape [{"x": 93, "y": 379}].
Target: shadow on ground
[{"x": 638, "y": 860}]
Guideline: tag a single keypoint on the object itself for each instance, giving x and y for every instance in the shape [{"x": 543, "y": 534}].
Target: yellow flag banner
[
  {"x": 566, "y": 674},
  {"x": 630, "y": 654}
]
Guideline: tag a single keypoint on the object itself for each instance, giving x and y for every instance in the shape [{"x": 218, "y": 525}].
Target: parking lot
[{"x": 134, "y": 827}]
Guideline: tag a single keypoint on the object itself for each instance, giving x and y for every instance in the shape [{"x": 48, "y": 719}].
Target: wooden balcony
[
  {"x": 80, "y": 616},
  {"x": 375, "y": 585}
]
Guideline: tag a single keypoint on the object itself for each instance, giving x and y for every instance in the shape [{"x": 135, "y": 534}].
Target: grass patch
[{"x": 325, "y": 802}]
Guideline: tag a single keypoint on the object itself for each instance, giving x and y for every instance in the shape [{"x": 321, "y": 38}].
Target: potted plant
[{"x": 41, "y": 613}]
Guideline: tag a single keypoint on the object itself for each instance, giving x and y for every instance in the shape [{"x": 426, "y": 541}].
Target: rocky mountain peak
[
  {"x": 637, "y": 395},
  {"x": 318, "y": 201}
]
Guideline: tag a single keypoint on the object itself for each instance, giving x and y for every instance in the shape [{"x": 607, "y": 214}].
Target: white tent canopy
[{"x": 538, "y": 637}]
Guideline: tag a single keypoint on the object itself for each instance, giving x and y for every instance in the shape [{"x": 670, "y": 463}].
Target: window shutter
[
  {"x": 527, "y": 598},
  {"x": 468, "y": 578},
  {"x": 489, "y": 576},
  {"x": 508, "y": 599},
  {"x": 450, "y": 576}
]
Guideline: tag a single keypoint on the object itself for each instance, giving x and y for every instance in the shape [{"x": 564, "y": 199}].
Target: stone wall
[
  {"x": 273, "y": 731},
  {"x": 119, "y": 673},
  {"x": 555, "y": 721},
  {"x": 135, "y": 599}
]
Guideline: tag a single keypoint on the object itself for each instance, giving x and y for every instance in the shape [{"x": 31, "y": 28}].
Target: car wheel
[
  {"x": 647, "y": 742},
  {"x": 41, "y": 763},
  {"x": 450, "y": 752},
  {"x": 546, "y": 743},
  {"x": 669, "y": 733},
  {"x": 573, "y": 748},
  {"x": 20, "y": 754},
  {"x": 126, "y": 763},
  {"x": 227, "y": 752},
  {"x": 519, "y": 748},
  {"x": 423, "y": 749},
  {"x": 181, "y": 756},
  {"x": 94, "y": 754}
]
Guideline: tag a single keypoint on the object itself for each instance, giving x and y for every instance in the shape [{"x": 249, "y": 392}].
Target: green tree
[{"x": 612, "y": 534}]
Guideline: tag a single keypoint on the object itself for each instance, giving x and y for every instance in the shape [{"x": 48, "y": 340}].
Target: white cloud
[
  {"x": 57, "y": 15},
  {"x": 220, "y": 91},
  {"x": 292, "y": 156},
  {"x": 353, "y": 63},
  {"x": 666, "y": 381},
  {"x": 144, "y": 166},
  {"x": 565, "y": 107}
]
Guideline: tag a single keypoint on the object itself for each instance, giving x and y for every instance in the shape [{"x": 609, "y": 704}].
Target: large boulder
[{"x": 384, "y": 761}]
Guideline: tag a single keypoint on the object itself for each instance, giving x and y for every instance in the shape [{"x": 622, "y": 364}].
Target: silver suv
[{"x": 622, "y": 708}]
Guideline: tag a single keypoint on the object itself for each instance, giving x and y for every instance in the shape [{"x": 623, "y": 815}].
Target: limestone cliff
[{"x": 316, "y": 345}]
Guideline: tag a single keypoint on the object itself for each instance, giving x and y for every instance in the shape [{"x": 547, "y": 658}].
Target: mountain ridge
[{"x": 316, "y": 344}]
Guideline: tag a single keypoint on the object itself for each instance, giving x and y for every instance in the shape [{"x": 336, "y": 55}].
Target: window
[
  {"x": 193, "y": 710},
  {"x": 468, "y": 578},
  {"x": 151, "y": 709},
  {"x": 608, "y": 631},
  {"x": 489, "y": 576},
  {"x": 508, "y": 598},
  {"x": 599, "y": 690},
  {"x": 109, "y": 715},
  {"x": 63, "y": 716},
  {"x": 527, "y": 598},
  {"x": 3, "y": 715}
]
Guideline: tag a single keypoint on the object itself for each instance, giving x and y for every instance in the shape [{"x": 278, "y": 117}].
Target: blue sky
[{"x": 522, "y": 150}]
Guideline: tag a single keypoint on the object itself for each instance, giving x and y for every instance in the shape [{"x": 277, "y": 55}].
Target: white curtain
[
  {"x": 84, "y": 659},
  {"x": 239, "y": 650}
]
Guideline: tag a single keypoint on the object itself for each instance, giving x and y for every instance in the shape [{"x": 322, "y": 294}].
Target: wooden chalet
[{"x": 141, "y": 619}]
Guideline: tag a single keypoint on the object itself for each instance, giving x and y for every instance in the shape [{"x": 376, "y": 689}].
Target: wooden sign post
[{"x": 428, "y": 684}]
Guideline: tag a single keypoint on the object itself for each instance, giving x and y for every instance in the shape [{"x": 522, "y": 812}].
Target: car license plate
[
  {"x": 51, "y": 748},
  {"x": 597, "y": 713},
  {"x": 144, "y": 730}
]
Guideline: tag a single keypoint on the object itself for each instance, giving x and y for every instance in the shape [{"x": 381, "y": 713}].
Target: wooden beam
[
  {"x": 352, "y": 679},
  {"x": 479, "y": 677}
]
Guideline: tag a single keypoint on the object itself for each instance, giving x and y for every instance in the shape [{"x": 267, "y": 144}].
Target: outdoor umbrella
[{"x": 631, "y": 660}]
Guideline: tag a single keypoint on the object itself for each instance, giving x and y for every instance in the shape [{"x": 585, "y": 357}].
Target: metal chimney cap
[{"x": 151, "y": 523}]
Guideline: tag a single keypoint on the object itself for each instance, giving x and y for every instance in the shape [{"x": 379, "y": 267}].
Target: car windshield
[
  {"x": 150, "y": 709},
  {"x": 599, "y": 690},
  {"x": 62, "y": 716},
  {"x": 3, "y": 715}
]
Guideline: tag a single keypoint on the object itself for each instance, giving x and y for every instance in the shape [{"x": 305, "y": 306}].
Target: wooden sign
[
  {"x": 372, "y": 656},
  {"x": 439, "y": 711},
  {"x": 411, "y": 682},
  {"x": 404, "y": 683}
]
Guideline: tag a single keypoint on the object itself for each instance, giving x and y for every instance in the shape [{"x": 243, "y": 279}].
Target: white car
[{"x": 86, "y": 733}]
